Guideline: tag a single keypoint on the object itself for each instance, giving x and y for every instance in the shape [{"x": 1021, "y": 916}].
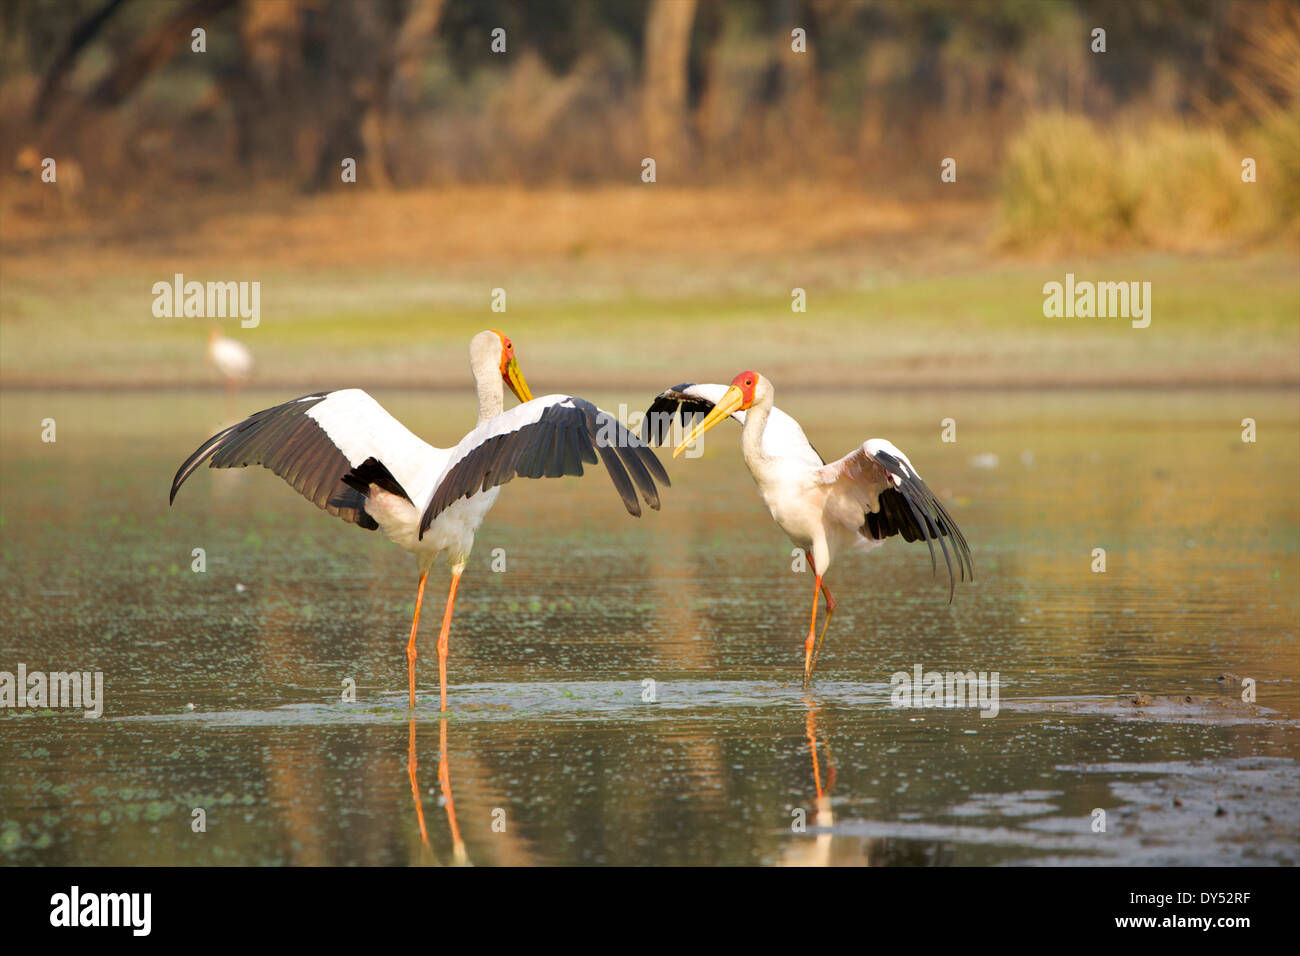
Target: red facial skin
[
  {"x": 507, "y": 351},
  {"x": 746, "y": 382}
]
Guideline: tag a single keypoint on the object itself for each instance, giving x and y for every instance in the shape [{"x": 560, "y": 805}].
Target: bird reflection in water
[
  {"x": 458, "y": 855},
  {"x": 823, "y": 817},
  {"x": 829, "y": 848},
  {"x": 816, "y": 852}
]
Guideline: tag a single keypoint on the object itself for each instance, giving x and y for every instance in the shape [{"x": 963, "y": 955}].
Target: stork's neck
[
  {"x": 751, "y": 436},
  {"x": 491, "y": 395}
]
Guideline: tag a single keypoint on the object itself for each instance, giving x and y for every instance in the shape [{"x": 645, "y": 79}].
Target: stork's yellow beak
[
  {"x": 731, "y": 401},
  {"x": 515, "y": 379}
]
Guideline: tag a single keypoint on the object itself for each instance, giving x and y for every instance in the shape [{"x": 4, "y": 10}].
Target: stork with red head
[{"x": 849, "y": 505}]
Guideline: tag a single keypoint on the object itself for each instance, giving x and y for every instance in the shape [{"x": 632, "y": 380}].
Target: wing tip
[{"x": 933, "y": 520}]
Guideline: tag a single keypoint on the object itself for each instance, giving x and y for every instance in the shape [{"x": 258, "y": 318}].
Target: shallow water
[{"x": 223, "y": 689}]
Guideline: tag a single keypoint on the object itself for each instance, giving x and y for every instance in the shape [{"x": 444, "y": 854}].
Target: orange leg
[
  {"x": 812, "y": 634},
  {"x": 810, "y": 664},
  {"x": 410, "y": 645},
  {"x": 830, "y": 609},
  {"x": 442, "y": 638}
]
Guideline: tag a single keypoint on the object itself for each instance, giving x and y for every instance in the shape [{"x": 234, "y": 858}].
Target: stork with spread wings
[{"x": 344, "y": 452}]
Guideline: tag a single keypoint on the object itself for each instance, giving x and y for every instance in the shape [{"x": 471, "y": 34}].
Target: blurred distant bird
[
  {"x": 233, "y": 359},
  {"x": 852, "y": 504},
  {"x": 346, "y": 454}
]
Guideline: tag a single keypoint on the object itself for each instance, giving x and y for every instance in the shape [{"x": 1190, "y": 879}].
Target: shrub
[{"x": 1072, "y": 186}]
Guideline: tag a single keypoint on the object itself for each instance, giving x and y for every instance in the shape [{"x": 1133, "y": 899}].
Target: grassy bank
[{"x": 617, "y": 287}]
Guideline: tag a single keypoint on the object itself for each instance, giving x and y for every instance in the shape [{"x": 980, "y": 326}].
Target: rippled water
[{"x": 224, "y": 689}]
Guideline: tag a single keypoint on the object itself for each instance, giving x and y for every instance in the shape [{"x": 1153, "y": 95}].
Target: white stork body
[
  {"x": 349, "y": 456},
  {"x": 452, "y": 534},
  {"x": 849, "y": 505},
  {"x": 232, "y": 359},
  {"x": 356, "y": 422}
]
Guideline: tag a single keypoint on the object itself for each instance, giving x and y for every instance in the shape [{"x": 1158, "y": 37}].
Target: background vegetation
[{"x": 775, "y": 170}]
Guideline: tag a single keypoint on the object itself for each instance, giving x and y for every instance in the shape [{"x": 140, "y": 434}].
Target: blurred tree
[
  {"x": 83, "y": 33},
  {"x": 664, "y": 79},
  {"x": 413, "y": 90},
  {"x": 151, "y": 51}
]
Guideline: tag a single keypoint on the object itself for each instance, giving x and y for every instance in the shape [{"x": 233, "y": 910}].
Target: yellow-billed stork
[
  {"x": 852, "y": 504},
  {"x": 232, "y": 359},
  {"x": 347, "y": 455}
]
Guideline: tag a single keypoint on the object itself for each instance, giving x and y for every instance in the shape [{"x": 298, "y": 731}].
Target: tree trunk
[
  {"x": 152, "y": 51},
  {"x": 664, "y": 83},
  {"x": 52, "y": 82}
]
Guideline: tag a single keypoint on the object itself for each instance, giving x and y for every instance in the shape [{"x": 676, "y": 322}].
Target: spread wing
[
  {"x": 547, "y": 437},
  {"x": 877, "y": 490},
  {"x": 330, "y": 446},
  {"x": 783, "y": 436}
]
